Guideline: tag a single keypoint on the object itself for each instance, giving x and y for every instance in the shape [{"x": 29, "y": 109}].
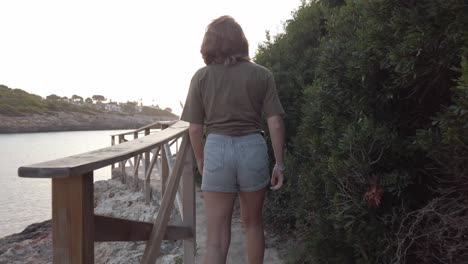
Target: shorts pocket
[
  {"x": 255, "y": 157},
  {"x": 213, "y": 157}
]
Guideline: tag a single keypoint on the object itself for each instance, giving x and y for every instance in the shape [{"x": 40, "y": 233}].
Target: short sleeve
[
  {"x": 271, "y": 103},
  {"x": 194, "y": 111}
]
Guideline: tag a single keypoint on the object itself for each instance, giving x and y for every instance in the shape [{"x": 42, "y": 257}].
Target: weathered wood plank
[
  {"x": 89, "y": 161},
  {"x": 188, "y": 206},
  {"x": 148, "y": 176},
  {"x": 149, "y": 170},
  {"x": 118, "y": 229},
  {"x": 147, "y": 160},
  {"x": 123, "y": 172},
  {"x": 170, "y": 165},
  {"x": 153, "y": 246},
  {"x": 112, "y": 144},
  {"x": 135, "y": 171},
  {"x": 72, "y": 219},
  {"x": 165, "y": 170}
]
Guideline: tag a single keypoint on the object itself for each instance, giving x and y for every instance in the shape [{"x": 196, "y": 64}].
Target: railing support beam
[
  {"x": 118, "y": 229},
  {"x": 153, "y": 246},
  {"x": 165, "y": 170},
  {"x": 112, "y": 144},
  {"x": 147, "y": 165},
  {"x": 188, "y": 206}
]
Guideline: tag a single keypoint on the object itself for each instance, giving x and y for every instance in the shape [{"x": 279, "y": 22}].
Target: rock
[
  {"x": 33, "y": 245},
  {"x": 112, "y": 198}
]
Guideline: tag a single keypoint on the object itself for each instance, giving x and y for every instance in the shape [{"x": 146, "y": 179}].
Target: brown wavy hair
[{"x": 224, "y": 42}]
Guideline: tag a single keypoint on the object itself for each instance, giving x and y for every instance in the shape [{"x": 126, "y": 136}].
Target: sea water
[{"x": 24, "y": 201}]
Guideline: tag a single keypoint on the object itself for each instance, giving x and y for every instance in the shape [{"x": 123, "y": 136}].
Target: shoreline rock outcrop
[{"x": 71, "y": 121}]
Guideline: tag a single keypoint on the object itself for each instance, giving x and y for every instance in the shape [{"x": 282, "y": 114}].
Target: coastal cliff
[{"x": 74, "y": 121}]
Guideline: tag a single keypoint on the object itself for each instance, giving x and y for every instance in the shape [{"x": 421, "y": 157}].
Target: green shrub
[{"x": 372, "y": 118}]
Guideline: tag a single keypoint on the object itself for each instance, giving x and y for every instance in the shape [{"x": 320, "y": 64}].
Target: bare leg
[
  {"x": 219, "y": 208},
  {"x": 251, "y": 210}
]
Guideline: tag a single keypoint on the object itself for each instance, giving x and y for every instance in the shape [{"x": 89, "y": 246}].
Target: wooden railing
[
  {"x": 142, "y": 131},
  {"x": 75, "y": 227}
]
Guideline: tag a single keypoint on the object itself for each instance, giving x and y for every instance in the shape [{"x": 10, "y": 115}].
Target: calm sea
[{"x": 24, "y": 201}]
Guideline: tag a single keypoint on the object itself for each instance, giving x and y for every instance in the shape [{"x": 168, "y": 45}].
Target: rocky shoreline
[
  {"x": 71, "y": 121},
  {"x": 112, "y": 198}
]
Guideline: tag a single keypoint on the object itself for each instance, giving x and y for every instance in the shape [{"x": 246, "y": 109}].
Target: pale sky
[{"x": 124, "y": 50}]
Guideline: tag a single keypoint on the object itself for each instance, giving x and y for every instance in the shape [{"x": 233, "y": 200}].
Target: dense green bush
[{"x": 377, "y": 130}]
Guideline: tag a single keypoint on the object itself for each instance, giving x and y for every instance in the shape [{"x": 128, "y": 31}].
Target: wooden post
[
  {"x": 164, "y": 170},
  {"x": 135, "y": 171},
  {"x": 148, "y": 178},
  {"x": 73, "y": 219},
  {"x": 188, "y": 206},
  {"x": 135, "y": 136},
  {"x": 123, "y": 172},
  {"x": 112, "y": 144},
  {"x": 158, "y": 167},
  {"x": 147, "y": 167},
  {"x": 121, "y": 139},
  {"x": 170, "y": 166}
]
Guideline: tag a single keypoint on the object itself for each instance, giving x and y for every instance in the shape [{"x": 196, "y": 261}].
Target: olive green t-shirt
[{"x": 231, "y": 100}]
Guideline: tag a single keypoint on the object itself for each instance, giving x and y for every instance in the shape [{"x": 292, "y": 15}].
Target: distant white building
[
  {"x": 112, "y": 107},
  {"x": 99, "y": 105}
]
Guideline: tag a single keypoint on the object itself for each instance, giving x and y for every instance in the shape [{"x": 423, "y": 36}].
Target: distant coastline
[
  {"x": 73, "y": 121},
  {"x": 22, "y": 112}
]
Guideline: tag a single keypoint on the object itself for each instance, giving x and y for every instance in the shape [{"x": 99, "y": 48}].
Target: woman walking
[{"x": 230, "y": 96}]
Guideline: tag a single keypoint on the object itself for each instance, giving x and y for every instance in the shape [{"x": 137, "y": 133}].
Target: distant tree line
[
  {"x": 16, "y": 102},
  {"x": 77, "y": 98},
  {"x": 376, "y": 100}
]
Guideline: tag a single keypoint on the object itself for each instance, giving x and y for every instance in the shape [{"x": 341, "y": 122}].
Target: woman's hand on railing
[{"x": 277, "y": 177}]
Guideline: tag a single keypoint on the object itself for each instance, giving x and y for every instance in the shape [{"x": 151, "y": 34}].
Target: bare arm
[
  {"x": 276, "y": 128},
  {"x": 196, "y": 138}
]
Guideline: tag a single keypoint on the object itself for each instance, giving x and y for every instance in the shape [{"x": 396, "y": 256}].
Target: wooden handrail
[
  {"x": 93, "y": 160},
  {"x": 155, "y": 125},
  {"x": 73, "y": 220}
]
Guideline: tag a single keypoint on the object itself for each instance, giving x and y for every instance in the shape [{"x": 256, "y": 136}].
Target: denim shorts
[{"x": 235, "y": 164}]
